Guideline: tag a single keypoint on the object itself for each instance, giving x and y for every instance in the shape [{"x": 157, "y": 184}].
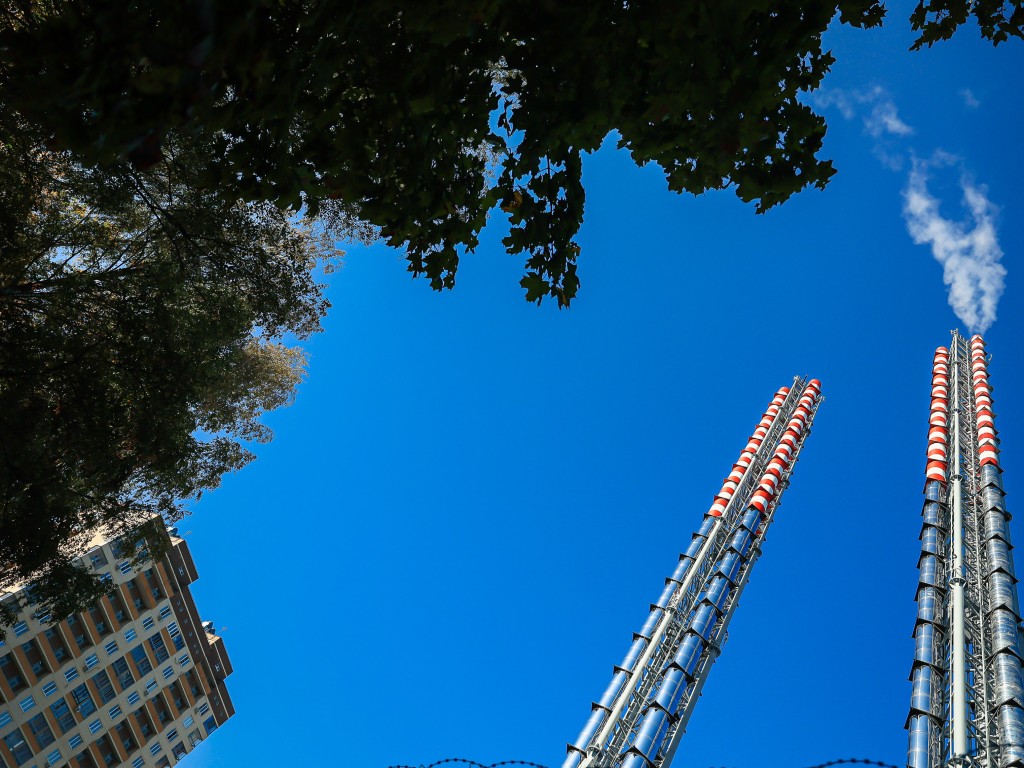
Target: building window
[
  {"x": 98, "y": 559},
  {"x": 5, "y": 718},
  {"x": 20, "y": 628},
  {"x": 125, "y": 567},
  {"x": 12, "y": 605},
  {"x": 165, "y": 612},
  {"x": 155, "y": 749},
  {"x": 56, "y": 642},
  {"x": 111, "y": 647},
  {"x": 91, "y": 661},
  {"x": 95, "y": 726},
  {"x": 172, "y": 734},
  {"x": 74, "y": 741},
  {"x": 41, "y": 730},
  {"x": 53, "y": 758},
  {"x": 175, "y": 633},
  {"x": 203, "y": 709},
  {"x": 104, "y": 686},
  {"x": 19, "y": 749},
  {"x": 50, "y": 688},
  {"x": 71, "y": 674},
  {"x": 62, "y": 714},
  {"x": 106, "y": 578},
  {"x": 123, "y": 672},
  {"x": 156, "y": 642},
  {"x": 27, "y": 703},
  {"x": 141, "y": 660},
  {"x": 115, "y": 712},
  {"x": 188, "y": 721},
  {"x": 138, "y": 762},
  {"x": 184, "y": 659},
  {"x": 147, "y": 623},
  {"x": 151, "y": 686},
  {"x": 10, "y": 671},
  {"x": 129, "y": 635},
  {"x": 84, "y": 704},
  {"x": 168, "y": 671},
  {"x": 133, "y": 697}
]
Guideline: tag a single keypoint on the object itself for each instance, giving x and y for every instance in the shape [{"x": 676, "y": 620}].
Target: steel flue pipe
[
  {"x": 602, "y": 707},
  {"x": 740, "y": 579},
  {"x": 607, "y": 710},
  {"x": 958, "y": 619},
  {"x": 1000, "y": 580},
  {"x": 923, "y": 723},
  {"x": 656, "y": 720},
  {"x": 703, "y": 627}
]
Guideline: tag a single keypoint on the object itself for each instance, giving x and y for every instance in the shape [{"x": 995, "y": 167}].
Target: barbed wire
[{"x": 475, "y": 764}]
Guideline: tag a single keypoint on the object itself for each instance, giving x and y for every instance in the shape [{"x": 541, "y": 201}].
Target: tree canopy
[
  {"x": 154, "y": 159},
  {"x": 142, "y": 321}
]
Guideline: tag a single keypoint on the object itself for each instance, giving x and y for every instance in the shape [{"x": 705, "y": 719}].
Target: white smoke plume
[
  {"x": 882, "y": 117},
  {"x": 968, "y": 252}
]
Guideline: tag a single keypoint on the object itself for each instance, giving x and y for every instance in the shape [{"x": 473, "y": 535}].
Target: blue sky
[{"x": 463, "y": 518}]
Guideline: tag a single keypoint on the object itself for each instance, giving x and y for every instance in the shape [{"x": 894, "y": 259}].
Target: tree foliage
[
  {"x": 385, "y": 105},
  {"x": 141, "y": 327},
  {"x": 394, "y": 108},
  {"x": 937, "y": 20},
  {"x": 153, "y": 155}
]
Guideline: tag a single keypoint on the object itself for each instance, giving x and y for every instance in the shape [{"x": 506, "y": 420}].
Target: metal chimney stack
[
  {"x": 967, "y": 700},
  {"x": 642, "y": 715}
]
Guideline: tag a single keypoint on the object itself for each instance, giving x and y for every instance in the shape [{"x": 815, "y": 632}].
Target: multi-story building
[{"x": 136, "y": 680}]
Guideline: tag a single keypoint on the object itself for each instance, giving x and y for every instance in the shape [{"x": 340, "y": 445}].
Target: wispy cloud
[
  {"x": 969, "y": 252},
  {"x": 969, "y": 98},
  {"x": 882, "y": 117}
]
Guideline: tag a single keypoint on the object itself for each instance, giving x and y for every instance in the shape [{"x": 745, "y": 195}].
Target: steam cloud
[
  {"x": 882, "y": 118},
  {"x": 968, "y": 251},
  {"x": 969, "y": 257}
]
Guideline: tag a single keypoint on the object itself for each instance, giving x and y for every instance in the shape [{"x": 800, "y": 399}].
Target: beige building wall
[{"x": 133, "y": 681}]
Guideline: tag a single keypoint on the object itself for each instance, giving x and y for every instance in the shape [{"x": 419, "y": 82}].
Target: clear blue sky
[{"x": 465, "y": 514}]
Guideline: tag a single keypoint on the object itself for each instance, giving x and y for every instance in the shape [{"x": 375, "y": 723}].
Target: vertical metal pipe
[
  {"x": 1003, "y": 618},
  {"x": 652, "y": 643},
  {"x": 654, "y": 725},
  {"x": 757, "y": 524},
  {"x": 602, "y": 708},
  {"x": 927, "y": 679},
  {"x": 601, "y": 724},
  {"x": 958, "y": 673}
]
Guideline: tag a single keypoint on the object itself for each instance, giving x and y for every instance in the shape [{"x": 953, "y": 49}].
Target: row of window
[
  {"x": 22, "y": 628},
  {"x": 40, "y": 667},
  {"x": 44, "y": 735},
  {"x": 42, "y": 732}
]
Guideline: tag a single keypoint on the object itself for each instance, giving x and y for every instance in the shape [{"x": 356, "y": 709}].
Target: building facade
[{"x": 136, "y": 680}]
